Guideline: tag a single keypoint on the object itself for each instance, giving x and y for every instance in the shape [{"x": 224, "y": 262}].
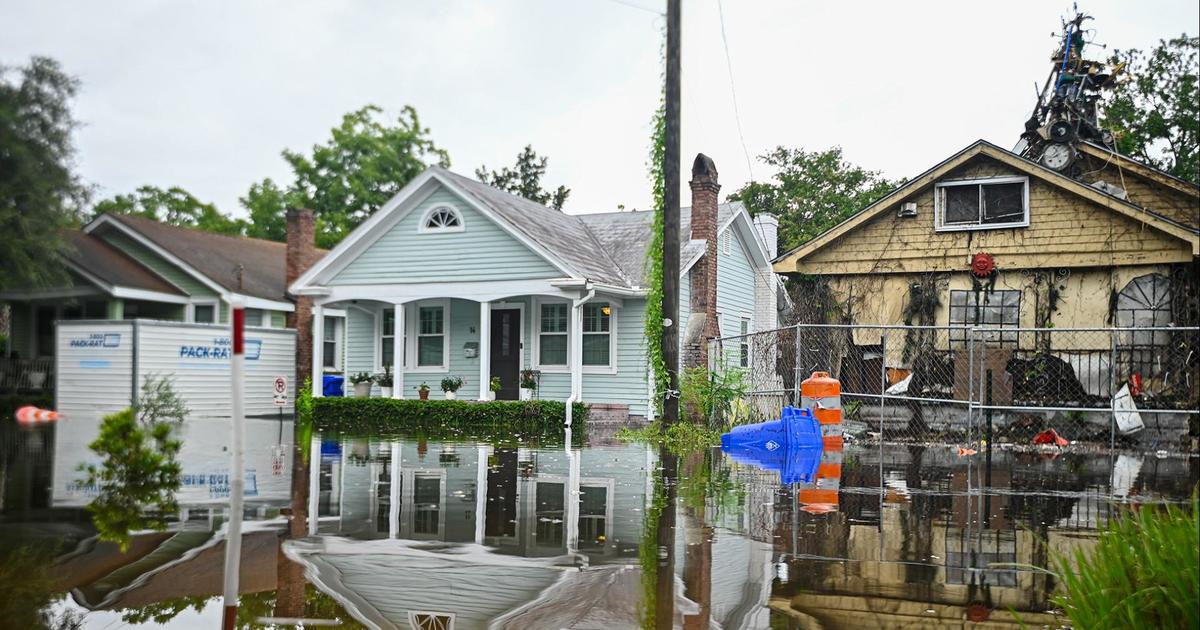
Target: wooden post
[{"x": 670, "y": 309}]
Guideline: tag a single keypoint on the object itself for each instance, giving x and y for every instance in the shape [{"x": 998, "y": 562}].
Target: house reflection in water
[{"x": 526, "y": 502}]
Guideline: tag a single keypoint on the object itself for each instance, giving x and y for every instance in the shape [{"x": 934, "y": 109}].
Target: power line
[{"x": 737, "y": 116}]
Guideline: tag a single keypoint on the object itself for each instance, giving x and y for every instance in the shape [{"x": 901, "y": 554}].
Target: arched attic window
[{"x": 441, "y": 219}]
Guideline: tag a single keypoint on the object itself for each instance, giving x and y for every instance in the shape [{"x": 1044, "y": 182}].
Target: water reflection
[{"x": 411, "y": 532}]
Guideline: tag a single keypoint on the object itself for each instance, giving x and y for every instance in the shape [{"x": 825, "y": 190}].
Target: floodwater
[{"x": 574, "y": 533}]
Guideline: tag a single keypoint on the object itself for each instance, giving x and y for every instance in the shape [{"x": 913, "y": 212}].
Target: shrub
[
  {"x": 503, "y": 421},
  {"x": 138, "y": 476},
  {"x": 712, "y": 393},
  {"x": 451, "y": 383},
  {"x": 1143, "y": 572}
]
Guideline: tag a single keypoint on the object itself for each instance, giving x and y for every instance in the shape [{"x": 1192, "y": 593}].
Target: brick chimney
[
  {"x": 301, "y": 254},
  {"x": 702, "y": 323}
]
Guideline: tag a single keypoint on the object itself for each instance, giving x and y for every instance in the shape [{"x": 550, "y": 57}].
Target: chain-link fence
[{"x": 1114, "y": 386}]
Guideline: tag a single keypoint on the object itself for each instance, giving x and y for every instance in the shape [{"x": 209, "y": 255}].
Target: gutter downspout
[{"x": 577, "y": 355}]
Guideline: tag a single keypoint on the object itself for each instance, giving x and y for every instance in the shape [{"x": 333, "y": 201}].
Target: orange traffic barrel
[{"x": 823, "y": 395}]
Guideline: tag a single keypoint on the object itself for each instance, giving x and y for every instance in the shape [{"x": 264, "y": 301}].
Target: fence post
[
  {"x": 883, "y": 384},
  {"x": 1112, "y": 390},
  {"x": 796, "y": 370},
  {"x": 970, "y": 339}
]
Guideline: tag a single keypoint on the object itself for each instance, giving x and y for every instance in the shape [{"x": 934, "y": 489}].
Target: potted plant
[
  {"x": 362, "y": 384},
  {"x": 385, "y": 382},
  {"x": 529, "y": 383},
  {"x": 423, "y": 391},
  {"x": 450, "y": 386},
  {"x": 493, "y": 387}
]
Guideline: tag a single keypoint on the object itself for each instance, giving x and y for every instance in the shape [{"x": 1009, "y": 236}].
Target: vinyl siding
[
  {"x": 735, "y": 287},
  {"x": 170, "y": 272},
  {"x": 482, "y": 252},
  {"x": 685, "y": 306}
]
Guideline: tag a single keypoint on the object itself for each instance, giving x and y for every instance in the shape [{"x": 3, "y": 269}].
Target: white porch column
[
  {"x": 398, "y": 351},
  {"x": 485, "y": 349},
  {"x": 318, "y": 351},
  {"x": 481, "y": 470}
]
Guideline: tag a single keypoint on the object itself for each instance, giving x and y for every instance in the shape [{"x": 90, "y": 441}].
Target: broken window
[
  {"x": 985, "y": 309},
  {"x": 999, "y": 202},
  {"x": 1144, "y": 305}
]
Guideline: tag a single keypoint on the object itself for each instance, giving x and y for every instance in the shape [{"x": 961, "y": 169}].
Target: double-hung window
[
  {"x": 331, "y": 354},
  {"x": 387, "y": 338},
  {"x": 431, "y": 336},
  {"x": 597, "y": 334},
  {"x": 553, "y": 322},
  {"x": 980, "y": 204},
  {"x": 986, "y": 309}
]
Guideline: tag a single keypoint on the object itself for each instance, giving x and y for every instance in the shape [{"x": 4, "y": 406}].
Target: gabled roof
[
  {"x": 241, "y": 265},
  {"x": 1142, "y": 169},
  {"x": 606, "y": 248},
  {"x": 98, "y": 261},
  {"x": 787, "y": 261}
]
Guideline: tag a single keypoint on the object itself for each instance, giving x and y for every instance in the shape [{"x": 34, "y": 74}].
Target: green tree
[
  {"x": 39, "y": 190},
  {"x": 174, "y": 206},
  {"x": 810, "y": 192},
  {"x": 363, "y": 164},
  {"x": 1155, "y": 111},
  {"x": 524, "y": 179}
]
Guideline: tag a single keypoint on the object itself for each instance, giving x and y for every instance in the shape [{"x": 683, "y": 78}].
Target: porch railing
[{"x": 26, "y": 375}]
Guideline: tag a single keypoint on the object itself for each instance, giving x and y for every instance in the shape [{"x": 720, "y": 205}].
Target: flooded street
[{"x": 580, "y": 533}]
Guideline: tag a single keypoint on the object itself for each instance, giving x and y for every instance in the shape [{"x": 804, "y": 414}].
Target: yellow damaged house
[{"x": 990, "y": 239}]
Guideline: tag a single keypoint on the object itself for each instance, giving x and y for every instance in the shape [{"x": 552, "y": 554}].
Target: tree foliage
[
  {"x": 363, "y": 164},
  {"x": 1155, "y": 112},
  {"x": 524, "y": 179},
  {"x": 810, "y": 192},
  {"x": 39, "y": 190},
  {"x": 173, "y": 206},
  {"x": 139, "y": 471}
]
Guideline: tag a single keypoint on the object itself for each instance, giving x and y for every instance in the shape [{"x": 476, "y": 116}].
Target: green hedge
[{"x": 499, "y": 422}]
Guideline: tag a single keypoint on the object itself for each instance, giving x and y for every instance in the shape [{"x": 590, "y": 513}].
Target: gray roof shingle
[{"x": 111, "y": 265}]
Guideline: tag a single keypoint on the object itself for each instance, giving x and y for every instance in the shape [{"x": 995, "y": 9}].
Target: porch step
[{"x": 608, "y": 413}]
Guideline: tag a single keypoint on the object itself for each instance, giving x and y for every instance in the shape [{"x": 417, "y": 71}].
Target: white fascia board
[
  {"x": 473, "y": 291},
  {"x": 257, "y": 302},
  {"x": 745, "y": 227},
  {"x": 361, "y": 237},
  {"x": 105, "y": 219},
  {"x": 129, "y": 293}
]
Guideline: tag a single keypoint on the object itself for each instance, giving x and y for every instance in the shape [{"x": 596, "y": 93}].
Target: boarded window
[{"x": 986, "y": 309}]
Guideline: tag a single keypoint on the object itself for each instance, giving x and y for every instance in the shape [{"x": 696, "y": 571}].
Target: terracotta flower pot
[{"x": 423, "y": 393}]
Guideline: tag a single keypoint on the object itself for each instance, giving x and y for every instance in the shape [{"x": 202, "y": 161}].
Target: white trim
[
  {"x": 412, "y": 330},
  {"x": 318, "y": 365},
  {"x": 189, "y": 314},
  {"x": 263, "y": 303},
  {"x": 939, "y": 203},
  {"x": 377, "y": 339},
  {"x": 339, "y": 355},
  {"x": 423, "y": 227},
  {"x": 126, "y": 293},
  {"x": 536, "y": 332},
  {"x": 485, "y": 350},
  {"x": 473, "y": 291}
]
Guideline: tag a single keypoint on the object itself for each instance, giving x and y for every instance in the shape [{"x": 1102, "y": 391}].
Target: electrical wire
[
  {"x": 634, "y": 5},
  {"x": 737, "y": 116}
]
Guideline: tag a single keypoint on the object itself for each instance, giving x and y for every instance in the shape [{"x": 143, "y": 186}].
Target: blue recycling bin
[
  {"x": 331, "y": 384},
  {"x": 792, "y": 445},
  {"x": 796, "y": 428},
  {"x": 794, "y": 465}
]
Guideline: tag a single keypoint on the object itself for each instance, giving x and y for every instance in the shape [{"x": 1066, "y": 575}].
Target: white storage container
[{"x": 101, "y": 365}]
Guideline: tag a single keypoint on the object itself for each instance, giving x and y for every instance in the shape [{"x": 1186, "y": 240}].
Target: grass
[
  {"x": 680, "y": 438},
  {"x": 1143, "y": 572}
]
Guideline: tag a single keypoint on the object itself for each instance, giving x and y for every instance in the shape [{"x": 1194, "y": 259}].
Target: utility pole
[{"x": 670, "y": 293}]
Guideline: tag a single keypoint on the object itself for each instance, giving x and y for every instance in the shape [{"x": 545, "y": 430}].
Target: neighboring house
[
  {"x": 126, "y": 267},
  {"x": 1115, "y": 245},
  {"x": 454, "y": 277}
]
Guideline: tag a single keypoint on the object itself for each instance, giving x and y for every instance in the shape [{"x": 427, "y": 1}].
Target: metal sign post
[{"x": 237, "y": 482}]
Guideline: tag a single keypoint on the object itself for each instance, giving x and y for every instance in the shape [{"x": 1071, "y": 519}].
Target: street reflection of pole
[
  {"x": 481, "y": 488},
  {"x": 697, "y": 551},
  {"x": 664, "y": 600}
]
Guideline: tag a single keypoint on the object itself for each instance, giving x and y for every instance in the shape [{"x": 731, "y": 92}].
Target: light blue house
[{"x": 454, "y": 277}]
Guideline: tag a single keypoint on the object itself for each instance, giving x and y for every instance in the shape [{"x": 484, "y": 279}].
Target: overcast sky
[{"x": 206, "y": 94}]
